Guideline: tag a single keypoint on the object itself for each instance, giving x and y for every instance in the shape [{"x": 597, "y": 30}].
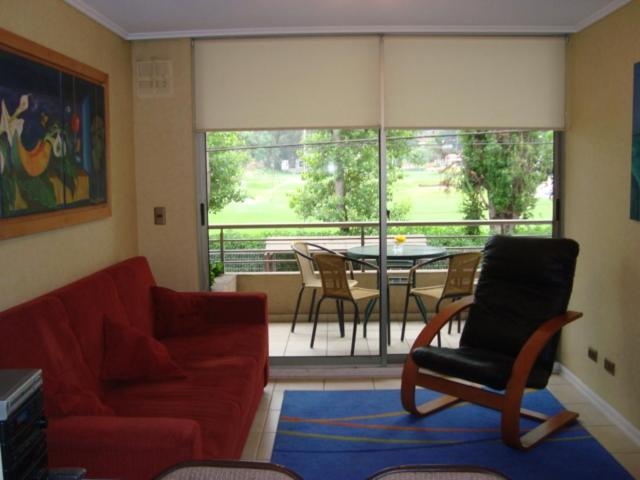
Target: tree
[
  {"x": 272, "y": 158},
  {"x": 428, "y": 146},
  {"x": 501, "y": 171},
  {"x": 340, "y": 180},
  {"x": 225, "y": 170}
]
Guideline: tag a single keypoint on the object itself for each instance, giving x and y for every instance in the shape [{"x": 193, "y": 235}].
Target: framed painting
[
  {"x": 53, "y": 139},
  {"x": 635, "y": 146}
]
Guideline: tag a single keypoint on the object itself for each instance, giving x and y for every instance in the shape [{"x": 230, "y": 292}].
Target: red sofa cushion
[
  {"x": 222, "y": 396},
  {"x": 126, "y": 448},
  {"x": 36, "y": 334},
  {"x": 133, "y": 355},
  {"x": 71, "y": 399},
  {"x": 241, "y": 339},
  {"x": 133, "y": 279}
]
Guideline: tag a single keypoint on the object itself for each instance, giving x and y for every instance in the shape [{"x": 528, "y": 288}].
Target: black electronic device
[{"x": 23, "y": 442}]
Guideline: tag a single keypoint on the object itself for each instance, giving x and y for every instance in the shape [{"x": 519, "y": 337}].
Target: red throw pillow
[{"x": 132, "y": 355}]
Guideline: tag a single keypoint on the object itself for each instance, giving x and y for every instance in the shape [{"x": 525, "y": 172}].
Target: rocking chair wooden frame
[{"x": 509, "y": 403}]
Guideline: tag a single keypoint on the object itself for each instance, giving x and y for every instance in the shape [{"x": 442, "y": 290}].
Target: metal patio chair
[
  {"x": 309, "y": 278},
  {"x": 459, "y": 283},
  {"x": 335, "y": 285}
]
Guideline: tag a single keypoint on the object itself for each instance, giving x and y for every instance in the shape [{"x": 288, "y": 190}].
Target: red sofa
[{"x": 138, "y": 377}]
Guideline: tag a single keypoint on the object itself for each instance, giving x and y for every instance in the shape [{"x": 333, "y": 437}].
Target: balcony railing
[{"x": 266, "y": 247}]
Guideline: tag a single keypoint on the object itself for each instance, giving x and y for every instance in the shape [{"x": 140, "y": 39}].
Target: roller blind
[
  {"x": 278, "y": 83},
  {"x": 474, "y": 82}
]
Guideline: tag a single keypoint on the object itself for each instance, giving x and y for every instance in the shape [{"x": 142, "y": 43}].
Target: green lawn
[{"x": 268, "y": 200}]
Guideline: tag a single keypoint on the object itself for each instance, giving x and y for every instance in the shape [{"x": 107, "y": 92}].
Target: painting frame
[{"x": 80, "y": 203}]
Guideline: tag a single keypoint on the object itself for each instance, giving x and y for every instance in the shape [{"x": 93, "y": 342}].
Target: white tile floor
[
  {"x": 261, "y": 438},
  {"x": 282, "y": 342}
]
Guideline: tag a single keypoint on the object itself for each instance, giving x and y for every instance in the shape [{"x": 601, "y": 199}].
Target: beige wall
[
  {"x": 35, "y": 264},
  {"x": 597, "y": 184},
  {"x": 165, "y": 169}
]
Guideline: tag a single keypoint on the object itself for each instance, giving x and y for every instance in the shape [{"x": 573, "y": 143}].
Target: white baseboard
[
  {"x": 610, "y": 412},
  {"x": 315, "y": 373}
]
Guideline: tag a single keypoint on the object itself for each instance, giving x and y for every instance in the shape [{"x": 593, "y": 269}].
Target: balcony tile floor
[
  {"x": 263, "y": 431},
  {"x": 282, "y": 342}
]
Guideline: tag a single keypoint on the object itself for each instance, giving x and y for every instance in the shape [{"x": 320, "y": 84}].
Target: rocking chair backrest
[{"x": 524, "y": 281}]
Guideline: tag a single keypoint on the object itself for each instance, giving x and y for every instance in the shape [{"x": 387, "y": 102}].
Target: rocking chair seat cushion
[{"x": 485, "y": 367}]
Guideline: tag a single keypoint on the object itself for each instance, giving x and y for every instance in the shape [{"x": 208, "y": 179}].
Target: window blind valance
[
  {"x": 429, "y": 82},
  {"x": 474, "y": 82},
  {"x": 278, "y": 83}
]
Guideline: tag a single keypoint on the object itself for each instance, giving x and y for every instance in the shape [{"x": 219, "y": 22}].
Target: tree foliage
[
  {"x": 340, "y": 180},
  {"x": 501, "y": 171},
  {"x": 269, "y": 157},
  {"x": 225, "y": 170},
  {"x": 427, "y": 146}
]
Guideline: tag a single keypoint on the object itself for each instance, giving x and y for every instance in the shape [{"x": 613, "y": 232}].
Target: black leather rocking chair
[{"x": 509, "y": 340}]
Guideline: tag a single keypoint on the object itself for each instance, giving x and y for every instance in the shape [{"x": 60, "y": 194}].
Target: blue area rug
[{"x": 337, "y": 435}]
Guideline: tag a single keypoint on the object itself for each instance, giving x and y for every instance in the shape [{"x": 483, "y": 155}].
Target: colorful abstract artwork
[
  {"x": 53, "y": 154},
  {"x": 635, "y": 146}
]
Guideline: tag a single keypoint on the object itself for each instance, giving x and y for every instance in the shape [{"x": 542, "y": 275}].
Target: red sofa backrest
[{"x": 37, "y": 334}]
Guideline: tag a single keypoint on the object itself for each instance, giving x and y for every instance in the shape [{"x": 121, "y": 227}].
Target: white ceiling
[{"x": 144, "y": 19}]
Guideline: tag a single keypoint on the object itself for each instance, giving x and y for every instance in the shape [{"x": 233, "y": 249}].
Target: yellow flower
[{"x": 400, "y": 239}]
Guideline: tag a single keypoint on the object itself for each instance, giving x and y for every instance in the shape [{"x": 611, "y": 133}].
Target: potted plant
[
  {"x": 215, "y": 270},
  {"x": 218, "y": 280}
]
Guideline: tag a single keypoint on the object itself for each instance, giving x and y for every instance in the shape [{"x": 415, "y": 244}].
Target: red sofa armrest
[
  {"x": 186, "y": 313},
  {"x": 128, "y": 448}
]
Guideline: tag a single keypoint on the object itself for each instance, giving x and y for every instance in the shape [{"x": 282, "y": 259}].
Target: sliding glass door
[{"x": 372, "y": 186}]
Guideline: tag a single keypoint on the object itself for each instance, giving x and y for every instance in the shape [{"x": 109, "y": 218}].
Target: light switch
[{"x": 159, "y": 216}]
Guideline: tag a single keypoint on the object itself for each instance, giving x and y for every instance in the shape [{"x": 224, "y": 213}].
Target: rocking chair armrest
[
  {"x": 529, "y": 353},
  {"x": 439, "y": 320},
  {"x": 518, "y": 380}
]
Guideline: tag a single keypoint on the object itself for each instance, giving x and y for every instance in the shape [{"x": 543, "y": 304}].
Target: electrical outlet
[
  {"x": 609, "y": 366},
  {"x": 592, "y": 353}
]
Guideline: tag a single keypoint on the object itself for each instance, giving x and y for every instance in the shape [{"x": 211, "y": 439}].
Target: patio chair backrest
[
  {"x": 305, "y": 265},
  {"x": 461, "y": 274},
  {"x": 333, "y": 274}
]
